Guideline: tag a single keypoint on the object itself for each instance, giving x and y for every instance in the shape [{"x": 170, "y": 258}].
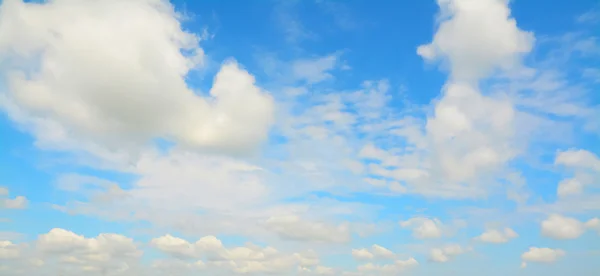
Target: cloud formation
[{"x": 99, "y": 84}]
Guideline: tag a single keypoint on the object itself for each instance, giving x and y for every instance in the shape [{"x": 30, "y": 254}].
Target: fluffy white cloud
[
  {"x": 573, "y": 192},
  {"x": 578, "y": 159},
  {"x": 464, "y": 147},
  {"x": 86, "y": 71},
  {"x": 560, "y": 227},
  {"x": 362, "y": 254},
  {"x": 593, "y": 224},
  {"x": 107, "y": 253},
  {"x": 380, "y": 251},
  {"x": 376, "y": 251},
  {"x": 388, "y": 269},
  {"x": 66, "y": 253},
  {"x": 586, "y": 166},
  {"x": 463, "y": 38},
  {"x": 214, "y": 256},
  {"x": 497, "y": 236},
  {"x": 8, "y": 250},
  {"x": 424, "y": 228},
  {"x": 19, "y": 202},
  {"x": 541, "y": 255},
  {"x": 174, "y": 246},
  {"x": 445, "y": 254},
  {"x": 569, "y": 187}
]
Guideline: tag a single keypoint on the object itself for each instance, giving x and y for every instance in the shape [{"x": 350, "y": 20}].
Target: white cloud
[
  {"x": 463, "y": 38},
  {"x": 388, "y": 269},
  {"x": 424, "y": 228},
  {"x": 104, "y": 253},
  {"x": 19, "y": 202},
  {"x": 560, "y": 227},
  {"x": 63, "y": 252},
  {"x": 323, "y": 270},
  {"x": 578, "y": 159},
  {"x": 376, "y": 252},
  {"x": 314, "y": 70},
  {"x": 184, "y": 179},
  {"x": 593, "y": 224},
  {"x": 8, "y": 250},
  {"x": 445, "y": 254},
  {"x": 174, "y": 246},
  {"x": 541, "y": 255},
  {"x": 382, "y": 252},
  {"x": 97, "y": 78},
  {"x": 240, "y": 260},
  {"x": 295, "y": 228},
  {"x": 362, "y": 254},
  {"x": 497, "y": 236},
  {"x": 463, "y": 149},
  {"x": 569, "y": 187}
]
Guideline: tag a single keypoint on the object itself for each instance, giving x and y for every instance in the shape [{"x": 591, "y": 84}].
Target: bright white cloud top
[{"x": 157, "y": 137}]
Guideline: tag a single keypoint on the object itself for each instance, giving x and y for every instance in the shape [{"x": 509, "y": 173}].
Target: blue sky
[{"x": 448, "y": 137}]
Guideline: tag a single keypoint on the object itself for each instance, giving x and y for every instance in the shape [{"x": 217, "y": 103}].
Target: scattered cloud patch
[{"x": 497, "y": 236}]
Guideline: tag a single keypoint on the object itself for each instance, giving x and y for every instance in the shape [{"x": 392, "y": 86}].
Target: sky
[{"x": 156, "y": 137}]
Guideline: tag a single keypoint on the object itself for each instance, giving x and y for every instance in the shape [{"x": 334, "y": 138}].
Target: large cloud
[
  {"x": 71, "y": 252},
  {"x": 541, "y": 255},
  {"x": 562, "y": 228},
  {"x": 475, "y": 37},
  {"x": 65, "y": 253},
  {"x": 250, "y": 259},
  {"x": 113, "y": 74},
  {"x": 465, "y": 145}
]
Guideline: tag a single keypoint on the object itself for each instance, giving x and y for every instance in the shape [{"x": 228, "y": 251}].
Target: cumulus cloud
[
  {"x": 445, "y": 254},
  {"x": 578, "y": 159},
  {"x": 593, "y": 224},
  {"x": 103, "y": 254},
  {"x": 569, "y": 187},
  {"x": 497, "y": 236},
  {"x": 463, "y": 38},
  {"x": 250, "y": 259},
  {"x": 541, "y": 255},
  {"x": 466, "y": 144},
  {"x": 8, "y": 250},
  {"x": 112, "y": 74},
  {"x": 562, "y": 228},
  {"x": 85, "y": 97},
  {"x": 388, "y": 269},
  {"x": 424, "y": 228},
  {"x": 376, "y": 251},
  {"x": 362, "y": 254},
  {"x": 18, "y": 202},
  {"x": 174, "y": 246},
  {"x": 63, "y": 252}
]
